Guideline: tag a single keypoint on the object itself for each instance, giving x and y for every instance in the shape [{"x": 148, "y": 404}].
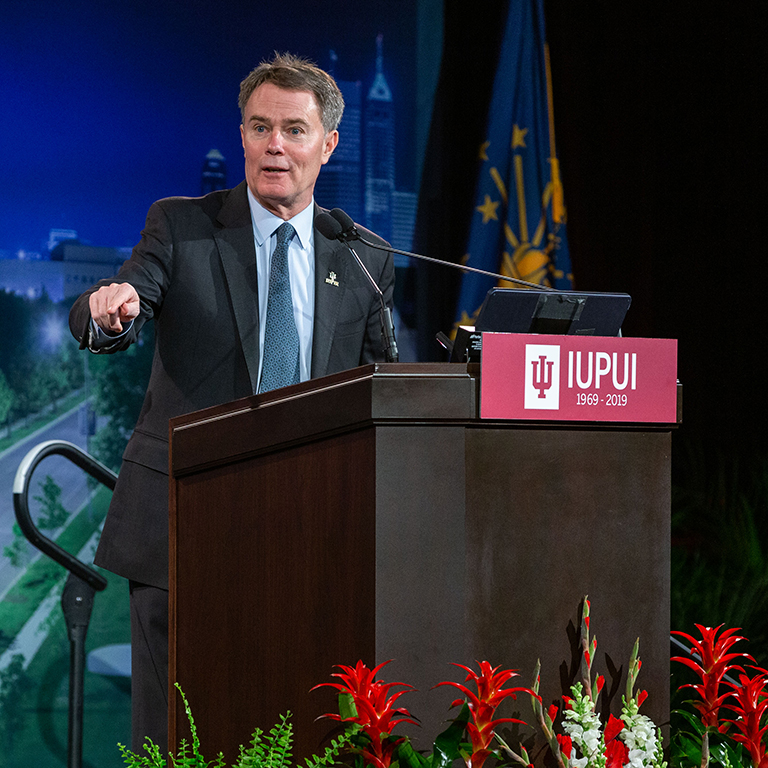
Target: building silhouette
[
  {"x": 360, "y": 176},
  {"x": 379, "y": 150},
  {"x": 340, "y": 183},
  {"x": 404, "y": 206},
  {"x": 70, "y": 268}
]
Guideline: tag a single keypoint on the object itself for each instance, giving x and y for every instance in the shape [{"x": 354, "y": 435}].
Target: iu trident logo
[{"x": 542, "y": 376}]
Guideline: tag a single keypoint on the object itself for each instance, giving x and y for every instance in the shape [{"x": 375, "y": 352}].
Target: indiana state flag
[{"x": 518, "y": 223}]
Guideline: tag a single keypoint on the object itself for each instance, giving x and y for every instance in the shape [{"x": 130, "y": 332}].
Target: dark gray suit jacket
[{"x": 195, "y": 272}]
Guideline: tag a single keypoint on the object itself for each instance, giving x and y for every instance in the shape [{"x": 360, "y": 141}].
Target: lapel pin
[{"x": 331, "y": 279}]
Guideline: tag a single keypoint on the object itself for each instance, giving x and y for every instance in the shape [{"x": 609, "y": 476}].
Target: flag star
[
  {"x": 483, "y": 154},
  {"x": 488, "y": 209},
  {"x": 465, "y": 318},
  {"x": 518, "y": 136}
]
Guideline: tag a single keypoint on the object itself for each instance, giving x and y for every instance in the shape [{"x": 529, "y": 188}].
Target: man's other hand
[{"x": 112, "y": 305}]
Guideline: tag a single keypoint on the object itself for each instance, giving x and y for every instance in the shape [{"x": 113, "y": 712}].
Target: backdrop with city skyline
[
  {"x": 117, "y": 105},
  {"x": 113, "y": 106}
]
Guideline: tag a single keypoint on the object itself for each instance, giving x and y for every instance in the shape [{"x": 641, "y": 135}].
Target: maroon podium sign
[{"x": 578, "y": 378}]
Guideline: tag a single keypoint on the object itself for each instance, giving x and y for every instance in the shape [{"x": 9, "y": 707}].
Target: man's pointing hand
[{"x": 112, "y": 305}]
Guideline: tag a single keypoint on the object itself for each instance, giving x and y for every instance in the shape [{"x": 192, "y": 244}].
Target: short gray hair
[{"x": 296, "y": 73}]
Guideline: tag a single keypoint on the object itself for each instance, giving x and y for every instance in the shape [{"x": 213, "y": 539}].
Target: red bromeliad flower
[
  {"x": 376, "y": 712},
  {"x": 483, "y": 705},
  {"x": 716, "y": 661},
  {"x": 749, "y": 701}
]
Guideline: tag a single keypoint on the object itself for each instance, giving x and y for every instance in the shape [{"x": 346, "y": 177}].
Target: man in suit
[{"x": 215, "y": 273}]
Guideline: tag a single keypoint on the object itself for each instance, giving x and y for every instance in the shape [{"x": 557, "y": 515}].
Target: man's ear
[{"x": 331, "y": 140}]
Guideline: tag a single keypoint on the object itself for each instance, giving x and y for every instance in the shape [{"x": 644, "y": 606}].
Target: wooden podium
[{"x": 372, "y": 515}]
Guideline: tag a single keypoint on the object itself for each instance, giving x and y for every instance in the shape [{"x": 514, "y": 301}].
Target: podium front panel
[
  {"x": 272, "y": 587},
  {"x": 384, "y": 520}
]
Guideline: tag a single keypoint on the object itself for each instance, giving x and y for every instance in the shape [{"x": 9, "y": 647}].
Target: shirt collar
[{"x": 265, "y": 222}]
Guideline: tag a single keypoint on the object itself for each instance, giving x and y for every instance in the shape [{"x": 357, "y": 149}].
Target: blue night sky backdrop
[{"x": 108, "y": 106}]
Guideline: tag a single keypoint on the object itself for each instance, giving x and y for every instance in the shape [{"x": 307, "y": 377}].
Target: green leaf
[
  {"x": 329, "y": 758},
  {"x": 693, "y": 720},
  {"x": 408, "y": 757},
  {"x": 685, "y": 750},
  {"x": 347, "y": 708},
  {"x": 725, "y": 754},
  {"x": 446, "y": 748}
]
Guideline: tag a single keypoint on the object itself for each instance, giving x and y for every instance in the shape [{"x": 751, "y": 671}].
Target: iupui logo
[{"x": 542, "y": 377}]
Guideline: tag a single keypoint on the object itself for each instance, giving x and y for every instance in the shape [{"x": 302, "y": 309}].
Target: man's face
[{"x": 285, "y": 145}]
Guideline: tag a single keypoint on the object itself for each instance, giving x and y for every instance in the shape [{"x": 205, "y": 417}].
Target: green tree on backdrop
[
  {"x": 52, "y": 512},
  {"x": 14, "y": 682},
  {"x": 38, "y": 360},
  {"x": 7, "y": 398}
]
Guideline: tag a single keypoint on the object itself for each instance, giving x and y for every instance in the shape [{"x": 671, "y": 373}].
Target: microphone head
[
  {"x": 345, "y": 220},
  {"x": 328, "y": 227}
]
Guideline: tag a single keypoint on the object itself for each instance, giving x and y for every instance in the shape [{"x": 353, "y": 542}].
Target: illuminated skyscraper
[
  {"x": 404, "y": 206},
  {"x": 339, "y": 184},
  {"x": 379, "y": 151}
]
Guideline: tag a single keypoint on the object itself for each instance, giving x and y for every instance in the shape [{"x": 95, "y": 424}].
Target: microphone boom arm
[
  {"x": 387, "y": 325},
  {"x": 462, "y": 267}
]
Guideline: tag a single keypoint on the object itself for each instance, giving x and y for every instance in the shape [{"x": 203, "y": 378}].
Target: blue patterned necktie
[{"x": 281, "y": 341}]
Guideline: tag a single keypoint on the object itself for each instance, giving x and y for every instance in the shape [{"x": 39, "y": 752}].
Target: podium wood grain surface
[{"x": 372, "y": 515}]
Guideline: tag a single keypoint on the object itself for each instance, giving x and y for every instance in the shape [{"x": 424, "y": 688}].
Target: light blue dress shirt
[{"x": 301, "y": 267}]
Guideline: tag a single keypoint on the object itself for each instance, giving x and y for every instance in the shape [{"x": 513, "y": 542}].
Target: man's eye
[{"x": 259, "y": 128}]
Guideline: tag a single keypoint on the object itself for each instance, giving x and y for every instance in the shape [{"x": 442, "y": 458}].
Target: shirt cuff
[{"x": 99, "y": 341}]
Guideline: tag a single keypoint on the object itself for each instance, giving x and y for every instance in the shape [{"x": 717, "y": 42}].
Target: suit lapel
[
  {"x": 331, "y": 260},
  {"x": 238, "y": 257}
]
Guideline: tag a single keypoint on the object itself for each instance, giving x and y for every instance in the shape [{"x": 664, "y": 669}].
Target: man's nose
[{"x": 275, "y": 145}]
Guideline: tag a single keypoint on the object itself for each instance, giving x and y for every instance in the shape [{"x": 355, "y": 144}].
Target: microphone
[
  {"x": 348, "y": 231},
  {"x": 331, "y": 229},
  {"x": 328, "y": 227}
]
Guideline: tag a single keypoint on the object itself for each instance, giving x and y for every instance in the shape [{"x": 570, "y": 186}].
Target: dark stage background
[
  {"x": 661, "y": 146},
  {"x": 659, "y": 140}
]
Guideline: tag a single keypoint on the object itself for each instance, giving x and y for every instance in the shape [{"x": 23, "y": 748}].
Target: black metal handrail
[
  {"x": 21, "y": 503},
  {"x": 82, "y": 583}
]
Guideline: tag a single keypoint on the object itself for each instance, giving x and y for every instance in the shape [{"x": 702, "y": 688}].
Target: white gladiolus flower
[
  {"x": 640, "y": 737},
  {"x": 638, "y": 758},
  {"x": 591, "y": 740}
]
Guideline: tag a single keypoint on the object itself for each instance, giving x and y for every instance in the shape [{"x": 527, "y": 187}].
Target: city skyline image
[
  {"x": 359, "y": 178},
  {"x": 116, "y": 107}
]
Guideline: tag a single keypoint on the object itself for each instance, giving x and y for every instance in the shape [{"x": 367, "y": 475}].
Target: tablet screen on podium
[
  {"x": 511, "y": 310},
  {"x": 516, "y": 310}
]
